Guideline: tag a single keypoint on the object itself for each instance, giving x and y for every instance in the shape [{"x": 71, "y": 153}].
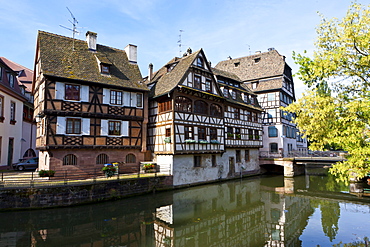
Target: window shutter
[
  {"x": 125, "y": 128},
  {"x": 59, "y": 90}
]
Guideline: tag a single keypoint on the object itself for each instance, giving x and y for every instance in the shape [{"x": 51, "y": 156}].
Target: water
[{"x": 267, "y": 211}]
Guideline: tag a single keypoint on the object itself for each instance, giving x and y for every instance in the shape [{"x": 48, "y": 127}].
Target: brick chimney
[
  {"x": 131, "y": 52},
  {"x": 150, "y": 72},
  {"x": 91, "y": 40}
]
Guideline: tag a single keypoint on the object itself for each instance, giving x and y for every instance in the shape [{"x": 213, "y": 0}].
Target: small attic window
[
  {"x": 105, "y": 69},
  {"x": 236, "y": 64},
  {"x": 200, "y": 62},
  {"x": 257, "y": 59}
]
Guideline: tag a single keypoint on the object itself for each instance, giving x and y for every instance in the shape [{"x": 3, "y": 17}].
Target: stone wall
[{"x": 36, "y": 198}]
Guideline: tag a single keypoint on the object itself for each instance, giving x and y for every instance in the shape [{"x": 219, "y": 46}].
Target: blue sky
[{"x": 233, "y": 28}]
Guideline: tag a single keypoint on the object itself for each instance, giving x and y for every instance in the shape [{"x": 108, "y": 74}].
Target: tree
[{"x": 335, "y": 110}]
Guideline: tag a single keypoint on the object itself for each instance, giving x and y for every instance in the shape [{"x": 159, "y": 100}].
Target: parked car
[{"x": 30, "y": 164}]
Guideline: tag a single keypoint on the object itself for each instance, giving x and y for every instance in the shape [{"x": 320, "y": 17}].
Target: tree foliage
[{"x": 335, "y": 109}]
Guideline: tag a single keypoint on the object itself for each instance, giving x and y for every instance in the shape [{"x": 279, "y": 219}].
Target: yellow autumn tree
[{"x": 335, "y": 110}]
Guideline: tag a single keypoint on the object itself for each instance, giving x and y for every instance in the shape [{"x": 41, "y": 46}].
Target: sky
[{"x": 222, "y": 28}]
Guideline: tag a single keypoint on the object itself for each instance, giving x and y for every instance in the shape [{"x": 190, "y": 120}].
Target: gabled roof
[
  {"x": 257, "y": 66},
  {"x": 25, "y": 75},
  {"x": 165, "y": 81},
  {"x": 59, "y": 59}
]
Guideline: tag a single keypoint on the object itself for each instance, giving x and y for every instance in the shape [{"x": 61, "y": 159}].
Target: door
[
  {"x": 231, "y": 167},
  {"x": 10, "y": 151}
]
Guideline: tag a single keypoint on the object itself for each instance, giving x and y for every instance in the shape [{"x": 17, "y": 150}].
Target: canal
[{"x": 258, "y": 211}]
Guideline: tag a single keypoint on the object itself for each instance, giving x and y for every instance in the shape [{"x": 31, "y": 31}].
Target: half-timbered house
[
  {"x": 243, "y": 124},
  {"x": 270, "y": 77},
  {"x": 188, "y": 122},
  {"x": 89, "y": 104}
]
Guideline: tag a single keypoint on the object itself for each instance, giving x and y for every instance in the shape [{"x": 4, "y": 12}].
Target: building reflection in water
[{"x": 252, "y": 212}]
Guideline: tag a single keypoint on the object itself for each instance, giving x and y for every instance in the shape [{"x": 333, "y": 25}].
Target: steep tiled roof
[
  {"x": 227, "y": 74},
  {"x": 268, "y": 84},
  {"x": 59, "y": 59},
  {"x": 165, "y": 81},
  {"x": 261, "y": 65},
  {"x": 25, "y": 75}
]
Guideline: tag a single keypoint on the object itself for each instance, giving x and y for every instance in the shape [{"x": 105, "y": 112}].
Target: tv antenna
[
  {"x": 179, "y": 42},
  {"x": 249, "y": 47},
  {"x": 74, "y": 27}
]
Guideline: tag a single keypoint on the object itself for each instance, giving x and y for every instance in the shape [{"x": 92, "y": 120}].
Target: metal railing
[
  {"x": 32, "y": 179},
  {"x": 267, "y": 154}
]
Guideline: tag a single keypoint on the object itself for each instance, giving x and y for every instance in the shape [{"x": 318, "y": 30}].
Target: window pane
[{"x": 72, "y": 92}]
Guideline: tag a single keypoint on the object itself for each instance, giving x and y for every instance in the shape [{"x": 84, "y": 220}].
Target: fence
[
  {"x": 32, "y": 179},
  {"x": 266, "y": 154}
]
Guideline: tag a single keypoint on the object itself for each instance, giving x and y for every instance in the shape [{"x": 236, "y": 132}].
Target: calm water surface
[{"x": 267, "y": 211}]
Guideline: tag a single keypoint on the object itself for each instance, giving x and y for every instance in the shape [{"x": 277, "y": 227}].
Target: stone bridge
[{"x": 295, "y": 166}]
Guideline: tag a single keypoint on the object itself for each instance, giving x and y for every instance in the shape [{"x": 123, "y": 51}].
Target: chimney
[
  {"x": 91, "y": 40},
  {"x": 150, "y": 74},
  {"x": 131, "y": 52}
]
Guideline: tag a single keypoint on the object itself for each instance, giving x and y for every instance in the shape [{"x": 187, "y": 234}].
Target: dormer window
[
  {"x": 200, "y": 62},
  {"x": 257, "y": 59},
  {"x": 105, "y": 69},
  {"x": 236, "y": 64}
]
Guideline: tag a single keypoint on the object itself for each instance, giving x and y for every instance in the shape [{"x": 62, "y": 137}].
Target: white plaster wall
[
  {"x": 29, "y": 137},
  {"x": 8, "y": 130},
  {"x": 251, "y": 165},
  {"x": 165, "y": 163},
  {"x": 184, "y": 171}
]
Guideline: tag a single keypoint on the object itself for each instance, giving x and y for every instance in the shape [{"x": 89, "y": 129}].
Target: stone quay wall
[{"x": 68, "y": 195}]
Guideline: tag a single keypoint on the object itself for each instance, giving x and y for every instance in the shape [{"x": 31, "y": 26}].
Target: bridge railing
[{"x": 309, "y": 153}]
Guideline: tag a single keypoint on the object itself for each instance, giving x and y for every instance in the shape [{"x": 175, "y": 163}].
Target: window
[
  {"x": 116, "y": 97},
  {"x": 271, "y": 97},
  {"x": 208, "y": 85},
  {"x": 130, "y": 158},
  {"x": 237, "y": 133},
  {"x": 102, "y": 159},
  {"x": 257, "y": 59},
  {"x": 197, "y": 161},
  {"x": 216, "y": 110},
  {"x": 248, "y": 115},
  {"x": 238, "y": 156},
  {"x": 72, "y": 92},
  {"x": 1, "y": 108},
  {"x": 273, "y": 147},
  {"x": 213, "y": 133},
  {"x": 188, "y": 131},
  {"x": 165, "y": 106},
  {"x": 271, "y": 113},
  {"x": 105, "y": 69},
  {"x": 226, "y": 92},
  {"x": 168, "y": 132},
  {"x": 250, "y": 134},
  {"x": 114, "y": 128},
  {"x": 202, "y": 133},
  {"x": 70, "y": 160},
  {"x": 10, "y": 79},
  {"x": 200, "y": 107},
  {"x": 273, "y": 132},
  {"x": 73, "y": 126},
  {"x": 12, "y": 111},
  {"x": 183, "y": 104},
  {"x": 200, "y": 62},
  {"x": 1, "y": 73},
  {"x": 233, "y": 94},
  {"x": 197, "y": 81},
  {"x": 256, "y": 134},
  {"x": 254, "y": 117},
  {"x": 139, "y": 100},
  {"x": 246, "y": 155},
  {"x": 236, "y": 113},
  {"x": 230, "y": 132},
  {"x": 214, "y": 160},
  {"x": 246, "y": 98}
]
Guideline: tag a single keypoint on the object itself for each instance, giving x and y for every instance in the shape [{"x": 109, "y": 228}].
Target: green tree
[{"x": 335, "y": 110}]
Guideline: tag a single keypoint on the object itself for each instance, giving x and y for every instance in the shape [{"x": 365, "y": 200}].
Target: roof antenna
[
  {"x": 249, "y": 47},
  {"x": 179, "y": 42},
  {"x": 74, "y": 28}
]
